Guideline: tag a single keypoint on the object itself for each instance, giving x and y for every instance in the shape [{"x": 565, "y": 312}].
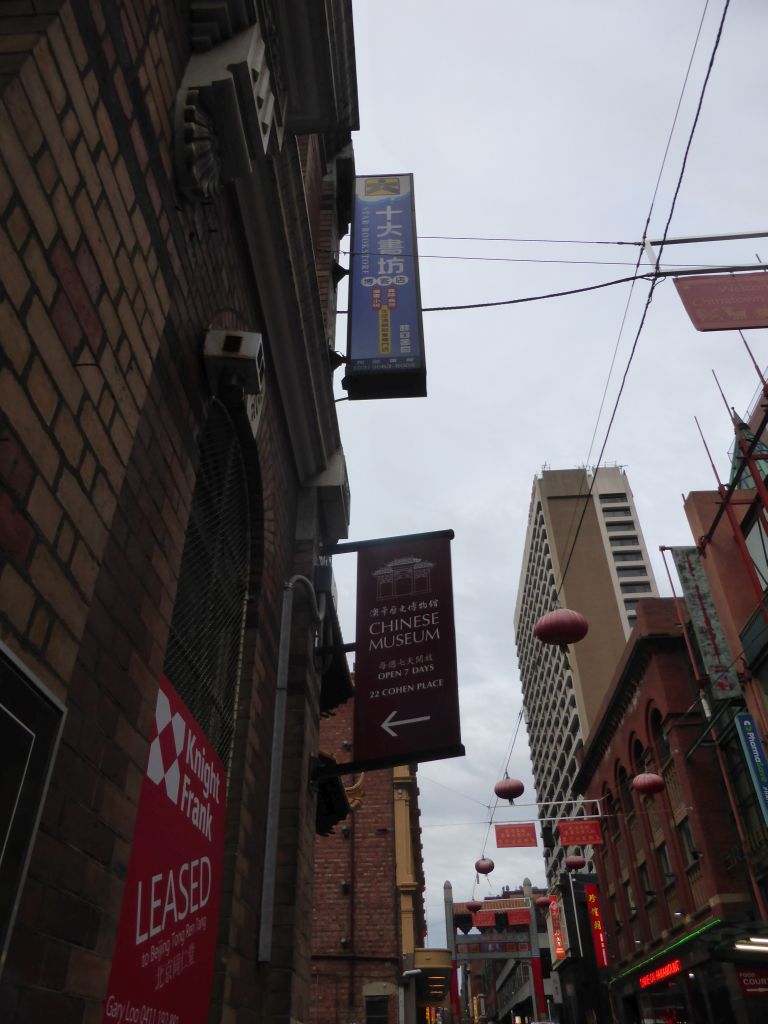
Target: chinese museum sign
[
  {"x": 385, "y": 340},
  {"x": 163, "y": 962},
  {"x": 406, "y": 687}
]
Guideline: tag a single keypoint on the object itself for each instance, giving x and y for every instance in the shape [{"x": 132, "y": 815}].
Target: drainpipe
[{"x": 276, "y": 765}]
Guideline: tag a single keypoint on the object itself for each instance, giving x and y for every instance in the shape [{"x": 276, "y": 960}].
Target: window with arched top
[
  {"x": 624, "y": 788},
  {"x": 659, "y": 738},
  {"x": 202, "y": 660}
]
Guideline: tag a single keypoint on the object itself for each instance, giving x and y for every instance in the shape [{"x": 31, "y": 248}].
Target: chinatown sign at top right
[{"x": 725, "y": 302}]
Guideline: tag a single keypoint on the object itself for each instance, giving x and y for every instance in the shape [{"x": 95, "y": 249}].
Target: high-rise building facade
[{"x": 584, "y": 550}]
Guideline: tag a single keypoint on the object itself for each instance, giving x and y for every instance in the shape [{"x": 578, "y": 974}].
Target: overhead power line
[{"x": 654, "y": 282}]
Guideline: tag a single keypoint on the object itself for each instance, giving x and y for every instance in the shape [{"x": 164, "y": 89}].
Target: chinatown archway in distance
[{"x": 406, "y": 685}]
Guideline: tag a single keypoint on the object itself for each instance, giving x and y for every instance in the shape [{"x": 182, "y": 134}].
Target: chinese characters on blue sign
[{"x": 385, "y": 344}]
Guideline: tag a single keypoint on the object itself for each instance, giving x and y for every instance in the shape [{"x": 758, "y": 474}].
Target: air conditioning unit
[{"x": 238, "y": 356}]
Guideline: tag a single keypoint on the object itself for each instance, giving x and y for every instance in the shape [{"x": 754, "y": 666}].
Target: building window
[
  {"x": 757, "y": 545},
  {"x": 620, "y": 527},
  {"x": 626, "y": 556},
  {"x": 635, "y": 570},
  {"x": 630, "y": 897},
  {"x": 686, "y": 840},
  {"x": 635, "y": 588},
  {"x": 607, "y": 498},
  {"x": 376, "y": 1009},
  {"x": 660, "y": 738},
  {"x": 623, "y": 542},
  {"x": 616, "y": 512},
  {"x": 202, "y": 660},
  {"x": 645, "y": 882},
  {"x": 664, "y": 863}
]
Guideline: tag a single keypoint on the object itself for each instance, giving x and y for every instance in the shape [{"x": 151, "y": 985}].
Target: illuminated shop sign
[
  {"x": 653, "y": 977},
  {"x": 385, "y": 341}
]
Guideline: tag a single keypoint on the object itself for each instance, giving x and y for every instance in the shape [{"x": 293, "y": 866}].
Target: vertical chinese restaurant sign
[
  {"x": 596, "y": 925},
  {"x": 385, "y": 339},
  {"x": 163, "y": 962},
  {"x": 555, "y": 928},
  {"x": 523, "y": 834},
  {"x": 406, "y": 686}
]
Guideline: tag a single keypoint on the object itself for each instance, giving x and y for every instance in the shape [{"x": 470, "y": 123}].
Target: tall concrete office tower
[{"x": 602, "y": 575}]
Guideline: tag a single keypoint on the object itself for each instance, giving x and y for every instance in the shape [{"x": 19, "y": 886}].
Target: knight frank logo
[
  {"x": 180, "y": 760},
  {"x": 166, "y": 747}
]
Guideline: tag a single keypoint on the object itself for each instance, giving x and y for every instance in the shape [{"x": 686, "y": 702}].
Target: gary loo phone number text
[{"x": 125, "y": 1013}]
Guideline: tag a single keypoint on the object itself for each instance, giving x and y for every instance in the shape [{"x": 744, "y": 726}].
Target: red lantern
[
  {"x": 648, "y": 783},
  {"x": 509, "y": 789},
  {"x": 561, "y": 626},
  {"x": 473, "y": 905},
  {"x": 575, "y": 862},
  {"x": 542, "y": 901},
  {"x": 484, "y": 866}
]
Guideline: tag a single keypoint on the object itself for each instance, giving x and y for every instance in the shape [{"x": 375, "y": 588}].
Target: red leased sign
[
  {"x": 406, "y": 689},
  {"x": 163, "y": 961}
]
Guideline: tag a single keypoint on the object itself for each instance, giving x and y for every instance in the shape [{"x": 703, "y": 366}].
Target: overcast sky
[{"x": 545, "y": 121}]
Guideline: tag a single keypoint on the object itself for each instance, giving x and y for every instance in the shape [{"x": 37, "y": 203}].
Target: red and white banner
[
  {"x": 518, "y": 917},
  {"x": 580, "y": 832},
  {"x": 484, "y": 919},
  {"x": 162, "y": 967},
  {"x": 596, "y": 925},
  {"x": 516, "y": 835}
]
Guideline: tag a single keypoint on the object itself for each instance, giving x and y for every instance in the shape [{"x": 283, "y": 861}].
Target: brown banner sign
[{"x": 406, "y": 688}]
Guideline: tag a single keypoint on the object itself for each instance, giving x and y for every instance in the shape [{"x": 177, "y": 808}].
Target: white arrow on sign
[{"x": 388, "y": 724}]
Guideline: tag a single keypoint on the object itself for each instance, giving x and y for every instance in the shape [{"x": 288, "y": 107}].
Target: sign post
[{"x": 163, "y": 961}]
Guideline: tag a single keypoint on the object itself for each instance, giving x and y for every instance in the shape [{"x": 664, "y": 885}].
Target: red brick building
[
  {"x": 675, "y": 899},
  {"x": 368, "y": 923},
  {"x": 174, "y": 181}
]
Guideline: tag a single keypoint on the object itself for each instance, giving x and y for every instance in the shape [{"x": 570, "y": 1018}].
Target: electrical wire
[
  {"x": 632, "y": 288},
  {"x": 530, "y": 298},
  {"x": 655, "y": 280}
]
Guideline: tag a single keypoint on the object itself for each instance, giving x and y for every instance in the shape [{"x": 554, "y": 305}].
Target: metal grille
[{"x": 203, "y": 657}]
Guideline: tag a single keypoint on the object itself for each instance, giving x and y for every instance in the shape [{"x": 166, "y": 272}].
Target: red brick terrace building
[
  {"x": 676, "y": 894},
  {"x": 368, "y": 924},
  {"x": 174, "y": 181}
]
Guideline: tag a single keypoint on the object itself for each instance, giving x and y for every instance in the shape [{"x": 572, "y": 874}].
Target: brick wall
[
  {"x": 109, "y": 287},
  {"x": 364, "y": 912}
]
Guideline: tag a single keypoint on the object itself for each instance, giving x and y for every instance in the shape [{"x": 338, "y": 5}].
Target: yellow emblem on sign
[{"x": 385, "y": 186}]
